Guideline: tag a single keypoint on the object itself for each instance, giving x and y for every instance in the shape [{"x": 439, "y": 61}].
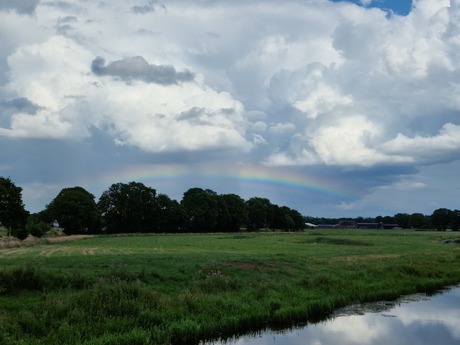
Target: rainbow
[{"x": 238, "y": 176}]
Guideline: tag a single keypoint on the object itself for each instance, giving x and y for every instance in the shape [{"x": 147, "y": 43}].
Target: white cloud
[
  {"x": 322, "y": 100},
  {"x": 56, "y": 76},
  {"x": 429, "y": 8},
  {"x": 427, "y": 148},
  {"x": 365, "y": 2},
  {"x": 409, "y": 185},
  {"x": 182, "y": 117},
  {"x": 282, "y": 128},
  {"x": 302, "y": 157},
  {"x": 350, "y": 142},
  {"x": 394, "y": 73}
]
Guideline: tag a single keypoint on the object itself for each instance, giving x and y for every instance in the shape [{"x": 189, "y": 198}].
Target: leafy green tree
[
  {"x": 263, "y": 213},
  {"x": 129, "y": 207},
  {"x": 402, "y": 219},
  {"x": 281, "y": 218},
  {"x": 233, "y": 212},
  {"x": 259, "y": 212},
  {"x": 440, "y": 219},
  {"x": 76, "y": 211},
  {"x": 202, "y": 209},
  {"x": 297, "y": 217},
  {"x": 417, "y": 221},
  {"x": 13, "y": 216},
  {"x": 388, "y": 220},
  {"x": 455, "y": 220},
  {"x": 171, "y": 214}
]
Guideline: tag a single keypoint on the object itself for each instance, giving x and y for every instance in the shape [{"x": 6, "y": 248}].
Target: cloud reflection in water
[{"x": 424, "y": 321}]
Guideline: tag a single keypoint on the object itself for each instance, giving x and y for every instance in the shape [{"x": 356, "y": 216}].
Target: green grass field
[{"x": 173, "y": 289}]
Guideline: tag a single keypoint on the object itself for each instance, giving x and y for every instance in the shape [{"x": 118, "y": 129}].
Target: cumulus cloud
[
  {"x": 152, "y": 111},
  {"x": 309, "y": 90},
  {"x": 427, "y": 148},
  {"x": 190, "y": 117},
  {"x": 394, "y": 72},
  {"x": 137, "y": 68}
]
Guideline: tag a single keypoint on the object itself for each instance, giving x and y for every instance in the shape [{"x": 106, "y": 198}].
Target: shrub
[
  {"x": 22, "y": 233},
  {"x": 37, "y": 229}
]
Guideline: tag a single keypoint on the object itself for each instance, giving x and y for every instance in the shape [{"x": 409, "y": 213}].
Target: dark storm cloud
[
  {"x": 137, "y": 68},
  {"x": 20, "y": 6},
  {"x": 19, "y": 105}
]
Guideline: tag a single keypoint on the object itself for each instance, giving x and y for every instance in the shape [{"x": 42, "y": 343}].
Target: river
[{"x": 416, "y": 319}]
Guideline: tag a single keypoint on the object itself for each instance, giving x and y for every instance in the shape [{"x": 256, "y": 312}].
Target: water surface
[{"x": 416, "y": 319}]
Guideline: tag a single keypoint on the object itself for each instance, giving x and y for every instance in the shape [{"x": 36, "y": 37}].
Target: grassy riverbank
[{"x": 164, "y": 289}]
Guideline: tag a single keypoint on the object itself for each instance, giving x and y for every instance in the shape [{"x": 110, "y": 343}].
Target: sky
[{"x": 333, "y": 108}]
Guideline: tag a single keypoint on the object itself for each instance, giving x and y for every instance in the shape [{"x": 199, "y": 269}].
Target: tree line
[
  {"x": 135, "y": 208},
  {"x": 441, "y": 219}
]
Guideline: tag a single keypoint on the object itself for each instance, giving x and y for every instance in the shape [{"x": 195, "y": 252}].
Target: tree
[
  {"x": 171, "y": 215},
  {"x": 388, "y": 220},
  {"x": 202, "y": 209},
  {"x": 235, "y": 212},
  {"x": 259, "y": 212},
  {"x": 440, "y": 219},
  {"x": 297, "y": 217},
  {"x": 13, "y": 216},
  {"x": 76, "y": 211},
  {"x": 281, "y": 218},
  {"x": 402, "y": 219},
  {"x": 417, "y": 221},
  {"x": 129, "y": 207},
  {"x": 455, "y": 220},
  {"x": 287, "y": 219}
]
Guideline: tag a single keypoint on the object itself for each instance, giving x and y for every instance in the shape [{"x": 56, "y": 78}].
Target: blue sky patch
[{"x": 401, "y": 7}]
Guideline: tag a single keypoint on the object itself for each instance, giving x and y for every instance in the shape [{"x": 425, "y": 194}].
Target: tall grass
[{"x": 182, "y": 289}]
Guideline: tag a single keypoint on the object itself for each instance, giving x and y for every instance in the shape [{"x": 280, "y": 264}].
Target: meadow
[{"x": 184, "y": 288}]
